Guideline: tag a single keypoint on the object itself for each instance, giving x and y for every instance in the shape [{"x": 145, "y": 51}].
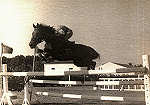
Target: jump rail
[
  {"x": 66, "y": 73},
  {"x": 137, "y": 82},
  {"x": 101, "y": 98}
]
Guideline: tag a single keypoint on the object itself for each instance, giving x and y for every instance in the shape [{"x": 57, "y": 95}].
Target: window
[
  {"x": 53, "y": 68},
  {"x": 70, "y": 68}
]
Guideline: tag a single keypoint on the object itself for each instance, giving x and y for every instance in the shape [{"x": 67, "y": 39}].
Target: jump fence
[{"x": 143, "y": 83}]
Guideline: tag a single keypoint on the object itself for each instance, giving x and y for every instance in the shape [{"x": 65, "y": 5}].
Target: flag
[{"x": 6, "y": 49}]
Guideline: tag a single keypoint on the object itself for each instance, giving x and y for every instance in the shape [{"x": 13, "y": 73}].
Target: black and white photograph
[{"x": 75, "y": 52}]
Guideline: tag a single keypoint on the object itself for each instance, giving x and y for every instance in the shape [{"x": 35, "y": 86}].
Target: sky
[{"x": 117, "y": 29}]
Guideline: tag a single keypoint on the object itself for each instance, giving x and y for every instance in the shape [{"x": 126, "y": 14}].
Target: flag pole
[
  {"x": 33, "y": 70},
  {"x": 3, "y": 49}
]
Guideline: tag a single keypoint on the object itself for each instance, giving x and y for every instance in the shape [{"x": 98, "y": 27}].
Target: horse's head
[{"x": 41, "y": 33}]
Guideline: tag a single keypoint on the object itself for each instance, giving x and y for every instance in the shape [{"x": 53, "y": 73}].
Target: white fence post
[
  {"x": 0, "y": 76},
  {"x": 147, "y": 89},
  {"x": 25, "y": 101},
  {"x": 146, "y": 61},
  {"x": 1, "y": 69},
  {"x": 146, "y": 79},
  {"x": 5, "y": 96}
]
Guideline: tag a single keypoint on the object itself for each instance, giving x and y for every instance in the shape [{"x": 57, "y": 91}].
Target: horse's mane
[{"x": 46, "y": 28}]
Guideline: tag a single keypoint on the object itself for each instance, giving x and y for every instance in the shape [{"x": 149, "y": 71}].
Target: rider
[{"x": 63, "y": 31}]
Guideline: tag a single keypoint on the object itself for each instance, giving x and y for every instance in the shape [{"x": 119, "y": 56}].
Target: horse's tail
[{"x": 99, "y": 57}]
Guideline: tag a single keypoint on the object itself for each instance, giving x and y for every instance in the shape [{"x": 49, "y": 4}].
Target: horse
[{"x": 61, "y": 49}]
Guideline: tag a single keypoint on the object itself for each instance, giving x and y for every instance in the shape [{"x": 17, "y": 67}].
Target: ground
[{"x": 38, "y": 100}]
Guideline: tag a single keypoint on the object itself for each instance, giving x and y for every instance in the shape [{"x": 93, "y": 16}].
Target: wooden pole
[
  {"x": 146, "y": 79},
  {"x": 0, "y": 69}
]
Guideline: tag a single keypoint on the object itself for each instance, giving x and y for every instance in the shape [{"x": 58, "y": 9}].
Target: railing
[{"x": 138, "y": 84}]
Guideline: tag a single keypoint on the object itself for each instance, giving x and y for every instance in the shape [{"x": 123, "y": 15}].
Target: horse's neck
[{"x": 48, "y": 46}]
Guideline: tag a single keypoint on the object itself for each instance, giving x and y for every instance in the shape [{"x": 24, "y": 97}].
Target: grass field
[{"x": 50, "y": 100}]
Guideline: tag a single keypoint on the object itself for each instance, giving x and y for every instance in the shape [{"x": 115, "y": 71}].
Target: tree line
[{"x": 21, "y": 63}]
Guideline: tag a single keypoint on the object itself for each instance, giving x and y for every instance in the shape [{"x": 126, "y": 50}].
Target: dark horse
[{"x": 62, "y": 49}]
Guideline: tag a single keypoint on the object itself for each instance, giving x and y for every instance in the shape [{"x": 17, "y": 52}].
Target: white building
[
  {"x": 62, "y": 66},
  {"x": 110, "y": 66}
]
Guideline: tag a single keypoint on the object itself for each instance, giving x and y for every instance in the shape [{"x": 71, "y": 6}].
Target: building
[
  {"x": 61, "y": 66},
  {"x": 111, "y": 66}
]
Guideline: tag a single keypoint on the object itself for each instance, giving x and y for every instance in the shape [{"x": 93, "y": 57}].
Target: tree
[{"x": 21, "y": 63}]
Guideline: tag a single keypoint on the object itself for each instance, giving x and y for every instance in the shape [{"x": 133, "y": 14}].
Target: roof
[
  {"x": 61, "y": 62},
  {"x": 125, "y": 65},
  {"x": 120, "y": 64}
]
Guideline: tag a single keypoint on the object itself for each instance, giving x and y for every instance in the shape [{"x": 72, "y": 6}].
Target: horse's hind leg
[{"x": 91, "y": 65}]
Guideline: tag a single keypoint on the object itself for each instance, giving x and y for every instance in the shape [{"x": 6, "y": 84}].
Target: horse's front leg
[
  {"x": 49, "y": 55},
  {"x": 42, "y": 56}
]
